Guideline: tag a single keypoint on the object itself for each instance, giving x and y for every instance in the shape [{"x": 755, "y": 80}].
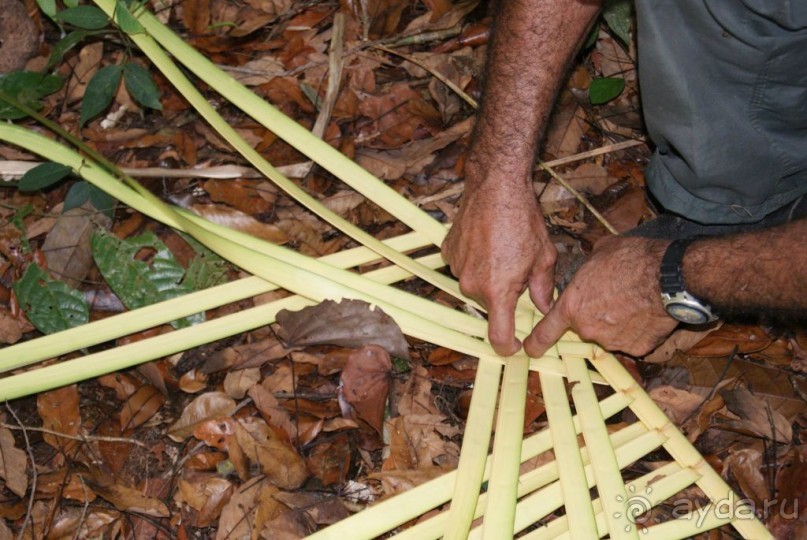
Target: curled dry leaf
[
  {"x": 676, "y": 403},
  {"x": 365, "y": 384},
  {"x": 281, "y": 464},
  {"x": 350, "y": 323},
  {"x": 746, "y": 465},
  {"x": 205, "y": 407},
  {"x": 126, "y": 499}
]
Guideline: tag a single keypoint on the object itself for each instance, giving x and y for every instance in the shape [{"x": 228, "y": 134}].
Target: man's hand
[
  {"x": 497, "y": 247},
  {"x": 614, "y": 300}
]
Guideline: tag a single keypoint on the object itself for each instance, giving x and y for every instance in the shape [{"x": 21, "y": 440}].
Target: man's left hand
[{"x": 613, "y": 300}]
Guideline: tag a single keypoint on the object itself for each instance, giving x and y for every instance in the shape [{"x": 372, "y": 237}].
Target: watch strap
[{"x": 671, "y": 277}]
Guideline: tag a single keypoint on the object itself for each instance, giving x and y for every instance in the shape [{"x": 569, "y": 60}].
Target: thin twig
[
  {"x": 579, "y": 196},
  {"x": 81, "y": 438}
]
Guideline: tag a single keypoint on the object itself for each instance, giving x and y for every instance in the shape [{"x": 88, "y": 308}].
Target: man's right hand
[{"x": 497, "y": 247}]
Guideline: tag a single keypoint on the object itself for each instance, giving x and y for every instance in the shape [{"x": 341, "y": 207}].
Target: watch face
[{"x": 686, "y": 314}]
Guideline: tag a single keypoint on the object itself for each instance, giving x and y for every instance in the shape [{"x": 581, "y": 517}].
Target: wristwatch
[{"x": 679, "y": 303}]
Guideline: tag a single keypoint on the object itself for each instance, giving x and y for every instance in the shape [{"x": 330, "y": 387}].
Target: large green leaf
[
  {"x": 50, "y": 305},
  {"x": 27, "y": 88},
  {"x": 100, "y": 92},
  {"x": 136, "y": 282},
  {"x": 126, "y": 20},
  {"x": 86, "y": 17},
  {"x": 43, "y": 175},
  {"x": 141, "y": 86}
]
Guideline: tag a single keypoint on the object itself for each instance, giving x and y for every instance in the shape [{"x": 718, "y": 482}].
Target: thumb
[
  {"x": 542, "y": 285},
  {"x": 546, "y": 333},
  {"x": 502, "y": 326}
]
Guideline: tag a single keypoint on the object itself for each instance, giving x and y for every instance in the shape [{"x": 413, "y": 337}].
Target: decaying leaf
[
  {"x": 60, "y": 413},
  {"x": 67, "y": 246},
  {"x": 250, "y": 507},
  {"x": 206, "y": 493},
  {"x": 237, "y": 383},
  {"x": 350, "y": 323},
  {"x": 757, "y": 418},
  {"x": 365, "y": 383},
  {"x": 281, "y": 464},
  {"x": 13, "y": 464},
  {"x": 207, "y": 406},
  {"x": 141, "y": 406}
]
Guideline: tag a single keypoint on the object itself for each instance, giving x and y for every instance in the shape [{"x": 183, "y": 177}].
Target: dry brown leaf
[
  {"x": 350, "y": 323},
  {"x": 83, "y": 67},
  {"x": 196, "y": 15},
  {"x": 680, "y": 340},
  {"x": 416, "y": 397},
  {"x": 207, "y": 493},
  {"x": 449, "y": 19},
  {"x": 10, "y": 330},
  {"x": 272, "y": 412},
  {"x": 242, "y": 195},
  {"x": 239, "y": 221},
  {"x": 67, "y": 246},
  {"x": 141, "y": 406},
  {"x": 394, "y": 482},
  {"x": 774, "y": 386},
  {"x": 13, "y": 464},
  {"x": 248, "y": 510},
  {"x": 324, "y": 509},
  {"x": 208, "y": 406},
  {"x": 60, "y": 413},
  {"x": 746, "y": 465},
  {"x": 365, "y": 384},
  {"x": 193, "y": 381},
  {"x": 281, "y": 464},
  {"x": 329, "y": 461},
  {"x": 124, "y": 498},
  {"x": 249, "y": 355},
  {"x": 237, "y": 383},
  {"x": 676, "y": 403},
  {"x": 757, "y": 418},
  {"x": 724, "y": 341}
]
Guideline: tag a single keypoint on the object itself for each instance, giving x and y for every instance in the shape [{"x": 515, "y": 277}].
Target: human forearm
[
  {"x": 532, "y": 46},
  {"x": 759, "y": 272}
]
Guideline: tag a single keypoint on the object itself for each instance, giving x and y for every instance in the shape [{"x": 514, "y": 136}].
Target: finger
[
  {"x": 542, "y": 285},
  {"x": 502, "y": 326},
  {"x": 546, "y": 333}
]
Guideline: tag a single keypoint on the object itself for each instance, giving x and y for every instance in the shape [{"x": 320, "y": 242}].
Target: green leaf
[
  {"x": 204, "y": 271},
  {"x": 48, "y": 7},
  {"x": 43, "y": 175},
  {"x": 101, "y": 200},
  {"x": 141, "y": 86},
  {"x": 126, "y": 20},
  {"x": 50, "y": 305},
  {"x": 78, "y": 194},
  {"x": 605, "y": 89},
  {"x": 28, "y": 88},
  {"x": 71, "y": 3},
  {"x": 617, "y": 14},
  {"x": 136, "y": 282},
  {"x": 100, "y": 92},
  {"x": 86, "y": 17},
  {"x": 65, "y": 44}
]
